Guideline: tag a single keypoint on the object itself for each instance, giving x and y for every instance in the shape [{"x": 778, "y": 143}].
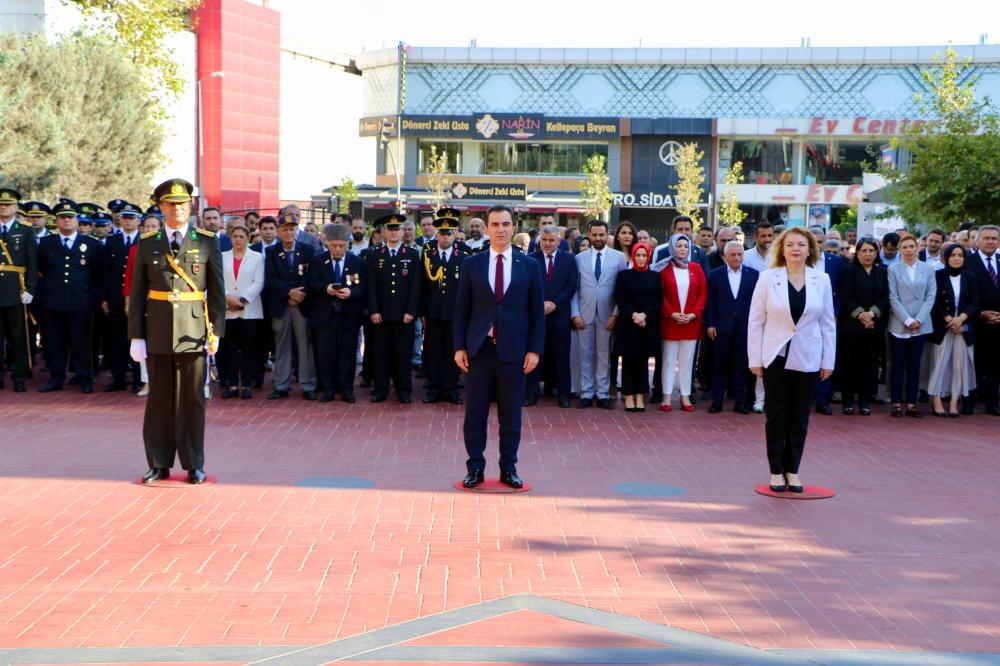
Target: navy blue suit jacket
[
  {"x": 565, "y": 282},
  {"x": 279, "y": 279},
  {"x": 520, "y": 317},
  {"x": 835, "y": 267},
  {"x": 322, "y": 305},
  {"x": 729, "y": 316}
]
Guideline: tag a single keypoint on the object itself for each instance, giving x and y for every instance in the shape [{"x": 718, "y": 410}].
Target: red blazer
[
  {"x": 694, "y": 304},
  {"x": 127, "y": 288}
]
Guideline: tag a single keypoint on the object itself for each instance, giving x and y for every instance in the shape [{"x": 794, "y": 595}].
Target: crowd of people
[{"x": 918, "y": 314}]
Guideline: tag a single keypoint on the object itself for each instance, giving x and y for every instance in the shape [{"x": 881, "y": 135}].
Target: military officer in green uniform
[
  {"x": 176, "y": 314},
  {"x": 442, "y": 269},
  {"x": 18, "y": 273}
]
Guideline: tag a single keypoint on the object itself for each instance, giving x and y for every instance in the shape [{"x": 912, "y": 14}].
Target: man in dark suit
[
  {"x": 18, "y": 274},
  {"x": 730, "y": 290},
  {"x": 71, "y": 272},
  {"x": 560, "y": 280},
  {"x": 985, "y": 266},
  {"x": 834, "y": 266},
  {"x": 934, "y": 240},
  {"x": 264, "y": 340},
  {"x": 499, "y": 334},
  {"x": 337, "y": 289},
  {"x": 393, "y": 306},
  {"x": 113, "y": 303},
  {"x": 286, "y": 265},
  {"x": 442, "y": 272},
  {"x": 176, "y": 313}
]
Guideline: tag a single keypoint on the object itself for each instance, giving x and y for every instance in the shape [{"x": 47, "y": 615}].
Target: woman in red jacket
[{"x": 684, "y": 291}]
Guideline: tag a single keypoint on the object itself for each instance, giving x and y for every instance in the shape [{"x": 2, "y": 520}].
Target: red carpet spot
[
  {"x": 177, "y": 480},
  {"x": 493, "y": 486},
  {"x": 808, "y": 492}
]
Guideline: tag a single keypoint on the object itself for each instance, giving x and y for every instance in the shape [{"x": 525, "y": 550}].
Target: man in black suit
[
  {"x": 337, "y": 288},
  {"x": 730, "y": 290},
  {"x": 985, "y": 266},
  {"x": 116, "y": 252},
  {"x": 442, "y": 271},
  {"x": 393, "y": 306},
  {"x": 71, "y": 272},
  {"x": 264, "y": 340},
  {"x": 286, "y": 265},
  {"x": 18, "y": 274},
  {"x": 560, "y": 280},
  {"x": 499, "y": 334},
  {"x": 934, "y": 240}
]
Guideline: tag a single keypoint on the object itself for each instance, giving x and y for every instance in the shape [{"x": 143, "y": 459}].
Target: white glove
[
  {"x": 137, "y": 350},
  {"x": 26, "y": 298}
]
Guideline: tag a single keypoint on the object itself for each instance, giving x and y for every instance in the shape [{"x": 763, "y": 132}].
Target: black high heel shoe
[
  {"x": 777, "y": 489},
  {"x": 791, "y": 488}
]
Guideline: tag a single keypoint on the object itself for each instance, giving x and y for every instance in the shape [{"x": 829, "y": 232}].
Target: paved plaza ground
[{"x": 334, "y": 533}]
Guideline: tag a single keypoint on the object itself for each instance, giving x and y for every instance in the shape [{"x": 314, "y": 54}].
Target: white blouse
[{"x": 683, "y": 278}]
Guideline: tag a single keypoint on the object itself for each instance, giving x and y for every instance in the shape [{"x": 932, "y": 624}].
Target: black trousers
[
  {"x": 368, "y": 357},
  {"x": 635, "y": 374},
  {"x": 439, "y": 358},
  {"x": 99, "y": 341},
  {"x": 336, "y": 346},
  {"x": 13, "y": 332},
  {"x": 263, "y": 346},
  {"x": 657, "y": 376},
  {"x": 239, "y": 353},
  {"x": 119, "y": 344},
  {"x": 987, "y": 353},
  {"x": 862, "y": 355},
  {"x": 37, "y": 334},
  {"x": 729, "y": 362},
  {"x": 392, "y": 347},
  {"x": 554, "y": 365},
  {"x": 906, "y": 356},
  {"x": 787, "y": 399},
  {"x": 69, "y": 341},
  {"x": 175, "y": 410},
  {"x": 489, "y": 377},
  {"x": 705, "y": 363}
]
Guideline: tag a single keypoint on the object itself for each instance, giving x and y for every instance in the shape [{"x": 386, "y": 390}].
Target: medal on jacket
[
  {"x": 83, "y": 260},
  {"x": 301, "y": 269},
  {"x": 347, "y": 280}
]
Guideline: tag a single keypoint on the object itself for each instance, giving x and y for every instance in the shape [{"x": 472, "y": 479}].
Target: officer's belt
[
  {"x": 4, "y": 268},
  {"x": 176, "y": 296}
]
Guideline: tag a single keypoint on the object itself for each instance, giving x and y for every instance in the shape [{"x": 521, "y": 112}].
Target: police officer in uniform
[
  {"x": 18, "y": 273},
  {"x": 71, "y": 266},
  {"x": 393, "y": 306},
  {"x": 177, "y": 307},
  {"x": 442, "y": 269},
  {"x": 117, "y": 249}
]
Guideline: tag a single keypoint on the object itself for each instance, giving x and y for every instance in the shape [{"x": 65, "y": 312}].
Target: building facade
[{"x": 805, "y": 123}]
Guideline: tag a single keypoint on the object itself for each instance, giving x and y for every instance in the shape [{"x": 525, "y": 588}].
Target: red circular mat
[
  {"x": 808, "y": 492},
  {"x": 493, "y": 486},
  {"x": 177, "y": 480}
]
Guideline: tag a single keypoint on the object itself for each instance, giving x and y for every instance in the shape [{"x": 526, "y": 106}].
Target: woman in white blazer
[
  {"x": 791, "y": 344},
  {"x": 912, "y": 288},
  {"x": 243, "y": 269}
]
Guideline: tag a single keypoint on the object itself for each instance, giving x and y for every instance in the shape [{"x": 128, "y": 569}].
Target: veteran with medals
[{"x": 177, "y": 309}]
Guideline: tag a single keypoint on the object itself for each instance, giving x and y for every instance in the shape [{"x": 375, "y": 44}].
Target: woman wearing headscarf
[
  {"x": 684, "y": 289},
  {"x": 864, "y": 308},
  {"x": 637, "y": 333},
  {"x": 953, "y": 373}
]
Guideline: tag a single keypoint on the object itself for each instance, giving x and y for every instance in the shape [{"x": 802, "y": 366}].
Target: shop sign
[
  {"x": 371, "y": 126},
  {"x": 497, "y": 191},
  {"x": 799, "y": 194},
  {"x": 819, "y": 126},
  {"x": 642, "y": 200},
  {"x": 500, "y": 126},
  {"x": 863, "y": 125}
]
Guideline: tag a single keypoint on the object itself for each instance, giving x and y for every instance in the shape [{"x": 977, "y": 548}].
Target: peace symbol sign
[{"x": 670, "y": 153}]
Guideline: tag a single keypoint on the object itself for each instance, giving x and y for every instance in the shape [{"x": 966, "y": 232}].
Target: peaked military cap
[
  {"x": 64, "y": 208},
  {"x": 175, "y": 190},
  {"x": 391, "y": 221},
  {"x": 117, "y": 205},
  {"x": 101, "y": 219},
  {"x": 447, "y": 219},
  {"x": 88, "y": 208},
  {"x": 67, "y": 200},
  {"x": 130, "y": 209},
  {"x": 154, "y": 210},
  {"x": 288, "y": 218},
  {"x": 36, "y": 209},
  {"x": 9, "y": 196}
]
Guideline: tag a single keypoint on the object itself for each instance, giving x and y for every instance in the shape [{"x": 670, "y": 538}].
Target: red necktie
[
  {"x": 498, "y": 281},
  {"x": 550, "y": 269}
]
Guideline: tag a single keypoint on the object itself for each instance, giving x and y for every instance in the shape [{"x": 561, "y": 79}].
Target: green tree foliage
[
  {"x": 953, "y": 175},
  {"x": 438, "y": 179},
  {"x": 730, "y": 214},
  {"x": 140, "y": 26},
  {"x": 595, "y": 194},
  {"x": 690, "y": 186},
  {"x": 75, "y": 121},
  {"x": 345, "y": 193}
]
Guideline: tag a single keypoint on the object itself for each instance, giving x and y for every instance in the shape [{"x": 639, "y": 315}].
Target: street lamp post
[{"x": 201, "y": 147}]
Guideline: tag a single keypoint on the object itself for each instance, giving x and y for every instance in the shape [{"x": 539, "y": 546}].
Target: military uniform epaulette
[
  {"x": 148, "y": 234},
  {"x": 206, "y": 232}
]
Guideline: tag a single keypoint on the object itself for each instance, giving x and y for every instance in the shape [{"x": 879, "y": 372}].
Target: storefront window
[
  {"x": 765, "y": 161},
  {"x": 839, "y": 162},
  {"x": 452, "y": 149},
  {"x": 514, "y": 158}
]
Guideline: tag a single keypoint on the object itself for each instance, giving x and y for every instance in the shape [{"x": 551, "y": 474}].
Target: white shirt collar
[
  {"x": 738, "y": 271},
  {"x": 392, "y": 249},
  {"x": 71, "y": 238},
  {"x": 992, "y": 257},
  {"x": 169, "y": 231},
  {"x": 506, "y": 254}
]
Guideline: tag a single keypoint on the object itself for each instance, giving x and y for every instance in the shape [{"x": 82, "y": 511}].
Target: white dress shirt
[
  {"x": 71, "y": 238},
  {"x": 593, "y": 260},
  {"x": 393, "y": 250},
  {"x": 5, "y": 227},
  {"x": 506, "y": 268},
  {"x": 753, "y": 259},
  {"x": 734, "y": 280},
  {"x": 446, "y": 255},
  {"x": 956, "y": 287},
  {"x": 170, "y": 231},
  {"x": 989, "y": 261},
  {"x": 911, "y": 275},
  {"x": 683, "y": 277},
  {"x": 130, "y": 238}
]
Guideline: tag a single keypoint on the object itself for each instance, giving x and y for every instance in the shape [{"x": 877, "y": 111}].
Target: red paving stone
[{"x": 903, "y": 558}]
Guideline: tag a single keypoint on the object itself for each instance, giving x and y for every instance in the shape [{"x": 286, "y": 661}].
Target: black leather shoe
[
  {"x": 823, "y": 409},
  {"x": 326, "y": 397},
  {"x": 968, "y": 406},
  {"x": 277, "y": 394},
  {"x": 246, "y": 393},
  {"x": 777, "y": 489},
  {"x": 405, "y": 399},
  {"x": 309, "y": 395},
  {"x": 564, "y": 403},
  {"x": 530, "y": 400},
  {"x": 19, "y": 386},
  {"x": 794, "y": 489},
  {"x": 431, "y": 399},
  {"x": 74, "y": 380},
  {"x": 605, "y": 403},
  {"x": 115, "y": 386},
  {"x": 715, "y": 408},
  {"x": 993, "y": 410},
  {"x": 229, "y": 393},
  {"x": 51, "y": 386},
  {"x": 865, "y": 410},
  {"x": 347, "y": 397},
  {"x": 378, "y": 397},
  {"x": 847, "y": 410},
  {"x": 155, "y": 474},
  {"x": 741, "y": 408},
  {"x": 585, "y": 403},
  {"x": 472, "y": 479},
  {"x": 455, "y": 399},
  {"x": 365, "y": 384},
  {"x": 511, "y": 479},
  {"x": 86, "y": 386},
  {"x": 196, "y": 476}
]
